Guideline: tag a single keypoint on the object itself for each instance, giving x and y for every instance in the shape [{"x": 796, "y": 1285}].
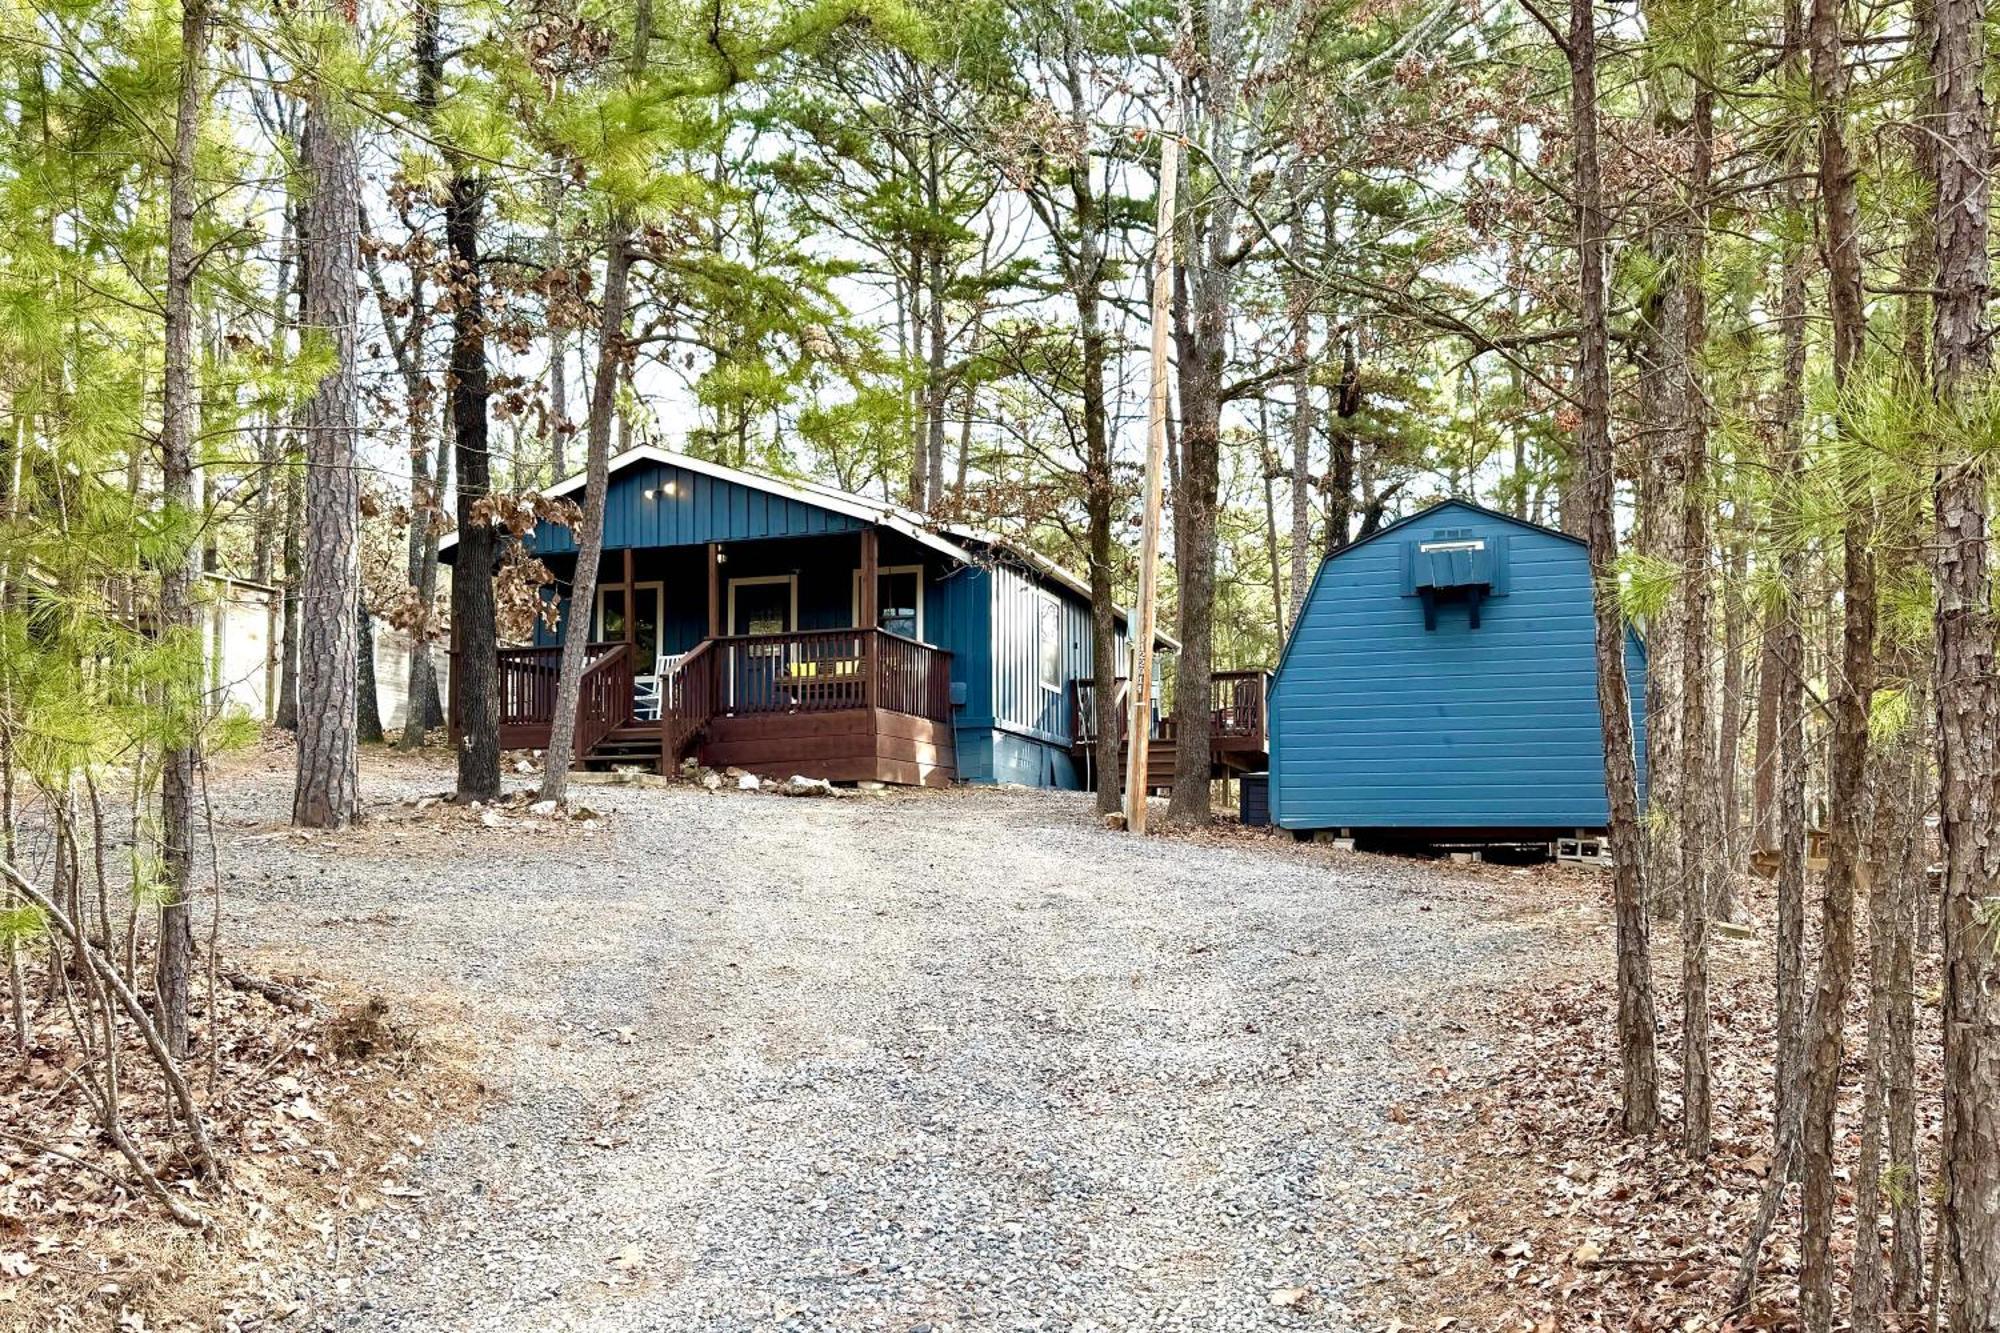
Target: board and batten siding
[
  {"x": 697, "y": 508},
  {"x": 1013, "y": 728},
  {"x": 1380, "y": 723}
]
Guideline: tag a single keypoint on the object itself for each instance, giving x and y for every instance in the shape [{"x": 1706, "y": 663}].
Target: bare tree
[{"x": 597, "y": 467}]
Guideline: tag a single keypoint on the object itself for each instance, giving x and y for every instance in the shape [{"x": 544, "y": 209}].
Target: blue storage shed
[{"x": 1442, "y": 678}]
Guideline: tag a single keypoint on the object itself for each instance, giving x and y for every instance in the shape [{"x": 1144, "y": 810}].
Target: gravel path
[{"x": 955, "y": 1061}]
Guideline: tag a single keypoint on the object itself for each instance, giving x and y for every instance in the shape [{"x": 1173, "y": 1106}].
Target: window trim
[
  {"x": 1048, "y": 599},
  {"x": 729, "y": 625},
  {"x": 659, "y": 588},
  {"x": 854, "y": 606}
]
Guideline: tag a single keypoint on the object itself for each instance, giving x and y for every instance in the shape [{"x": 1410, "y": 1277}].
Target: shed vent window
[{"x": 1452, "y": 568}]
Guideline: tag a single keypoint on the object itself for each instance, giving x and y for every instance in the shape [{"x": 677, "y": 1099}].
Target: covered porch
[{"x": 783, "y": 655}]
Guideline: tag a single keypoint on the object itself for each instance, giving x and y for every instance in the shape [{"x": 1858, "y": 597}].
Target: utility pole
[{"x": 1139, "y": 729}]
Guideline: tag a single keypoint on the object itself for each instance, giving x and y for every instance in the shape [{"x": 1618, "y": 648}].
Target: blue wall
[
  {"x": 701, "y": 508},
  {"x": 1379, "y": 723}
]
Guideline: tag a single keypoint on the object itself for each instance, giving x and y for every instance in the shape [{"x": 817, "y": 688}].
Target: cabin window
[
  {"x": 899, "y": 600},
  {"x": 1049, "y": 640}
]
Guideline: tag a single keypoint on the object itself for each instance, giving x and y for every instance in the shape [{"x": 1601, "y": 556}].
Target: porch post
[
  {"x": 714, "y": 590},
  {"x": 870, "y": 565},
  {"x": 870, "y": 568},
  {"x": 631, "y": 607}
]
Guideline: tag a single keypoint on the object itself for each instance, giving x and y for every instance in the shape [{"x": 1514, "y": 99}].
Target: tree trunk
[
  {"x": 1700, "y": 813},
  {"x": 1764, "y": 739},
  {"x": 181, "y": 570},
  {"x": 427, "y": 482},
  {"x": 1896, "y": 832},
  {"x": 1785, "y": 657},
  {"x": 294, "y": 569},
  {"x": 597, "y": 468},
  {"x": 1597, "y": 490},
  {"x": 1909, "y": 875},
  {"x": 558, "y": 351},
  {"x": 1200, "y": 366},
  {"x": 327, "y": 791},
  {"x": 1100, "y": 482},
  {"x": 1299, "y": 298},
  {"x": 1847, "y": 768},
  {"x": 1965, "y": 686},
  {"x": 1728, "y": 759},
  {"x": 476, "y": 695},
  {"x": 937, "y": 385},
  {"x": 425, "y": 709}
]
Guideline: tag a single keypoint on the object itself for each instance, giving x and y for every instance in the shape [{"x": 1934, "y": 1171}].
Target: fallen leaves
[
  {"x": 317, "y": 1126},
  {"x": 1585, "y": 1227}
]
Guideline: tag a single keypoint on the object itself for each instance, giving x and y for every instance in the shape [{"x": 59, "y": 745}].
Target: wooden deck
[
  {"x": 846, "y": 705},
  {"x": 1238, "y": 727}
]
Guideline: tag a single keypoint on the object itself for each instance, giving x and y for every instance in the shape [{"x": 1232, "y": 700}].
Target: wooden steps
[
  {"x": 1162, "y": 761},
  {"x": 634, "y": 745}
]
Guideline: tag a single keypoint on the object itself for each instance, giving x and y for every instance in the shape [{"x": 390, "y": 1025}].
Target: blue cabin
[
  {"x": 1442, "y": 679},
  {"x": 789, "y": 628}
]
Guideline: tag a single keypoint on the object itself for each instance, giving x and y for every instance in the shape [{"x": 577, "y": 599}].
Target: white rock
[
  {"x": 542, "y": 808},
  {"x": 746, "y": 782}
]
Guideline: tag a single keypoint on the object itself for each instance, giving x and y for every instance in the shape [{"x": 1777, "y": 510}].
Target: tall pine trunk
[
  {"x": 1847, "y": 767},
  {"x": 603, "y": 404},
  {"x": 1700, "y": 810},
  {"x": 1966, "y": 699},
  {"x": 475, "y": 701},
  {"x": 326, "y": 793},
  {"x": 1596, "y": 483},
  {"x": 177, "y": 582}
]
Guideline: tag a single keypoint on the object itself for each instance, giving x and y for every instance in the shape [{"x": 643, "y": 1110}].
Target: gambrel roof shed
[{"x": 1442, "y": 676}]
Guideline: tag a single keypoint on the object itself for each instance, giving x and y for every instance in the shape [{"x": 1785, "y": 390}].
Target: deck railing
[
  {"x": 528, "y": 678},
  {"x": 912, "y": 677},
  {"x": 813, "y": 671},
  {"x": 604, "y": 696},
  {"x": 1236, "y": 711},
  {"x": 528, "y": 685},
  {"x": 687, "y": 700}
]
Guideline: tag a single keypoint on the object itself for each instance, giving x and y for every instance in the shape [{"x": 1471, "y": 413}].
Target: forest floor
[{"x": 957, "y": 1061}]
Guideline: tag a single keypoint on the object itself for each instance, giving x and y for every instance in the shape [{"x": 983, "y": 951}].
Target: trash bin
[{"x": 1254, "y": 791}]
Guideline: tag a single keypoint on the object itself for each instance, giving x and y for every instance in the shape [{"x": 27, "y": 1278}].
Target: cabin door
[{"x": 761, "y": 607}]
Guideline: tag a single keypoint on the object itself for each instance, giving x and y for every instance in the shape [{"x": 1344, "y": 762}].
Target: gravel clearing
[{"x": 948, "y": 1061}]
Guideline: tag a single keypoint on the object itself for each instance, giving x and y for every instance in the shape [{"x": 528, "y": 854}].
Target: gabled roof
[
  {"x": 880, "y": 513},
  {"x": 1450, "y": 502}
]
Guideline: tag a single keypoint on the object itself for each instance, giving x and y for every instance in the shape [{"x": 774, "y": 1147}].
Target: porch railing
[
  {"x": 528, "y": 685},
  {"x": 912, "y": 677},
  {"x": 687, "y": 700},
  {"x": 1237, "y": 713},
  {"x": 528, "y": 676},
  {"x": 814, "y": 671},
  {"x": 604, "y": 696}
]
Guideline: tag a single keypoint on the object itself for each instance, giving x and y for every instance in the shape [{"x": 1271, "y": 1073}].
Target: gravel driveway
[{"x": 949, "y": 1061}]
